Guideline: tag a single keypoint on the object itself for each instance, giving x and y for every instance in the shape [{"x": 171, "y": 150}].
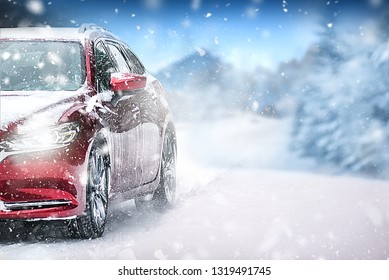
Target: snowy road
[{"x": 243, "y": 195}]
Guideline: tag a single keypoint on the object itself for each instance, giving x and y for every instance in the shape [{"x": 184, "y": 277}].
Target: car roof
[{"x": 56, "y": 33}]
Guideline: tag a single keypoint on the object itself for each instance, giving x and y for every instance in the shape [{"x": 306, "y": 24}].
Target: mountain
[
  {"x": 201, "y": 85},
  {"x": 195, "y": 70}
]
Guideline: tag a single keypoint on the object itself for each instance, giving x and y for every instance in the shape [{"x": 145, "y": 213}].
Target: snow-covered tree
[{"x": 342, "y": 116}]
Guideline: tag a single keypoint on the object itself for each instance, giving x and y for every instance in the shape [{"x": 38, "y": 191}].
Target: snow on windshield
[{"x": 41, "y": 65}]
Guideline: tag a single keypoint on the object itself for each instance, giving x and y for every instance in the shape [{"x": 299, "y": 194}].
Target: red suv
[{"x": 82, "y": 125}]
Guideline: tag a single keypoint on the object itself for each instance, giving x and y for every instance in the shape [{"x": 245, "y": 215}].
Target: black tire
[
  {"x": 164, "y": 196},
  {"x": 92, "y": 223}
]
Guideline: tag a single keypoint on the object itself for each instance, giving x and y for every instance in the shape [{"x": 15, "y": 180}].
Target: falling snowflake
[
  {"x": 201, "y": 51},
  {"x": 35, "y": 7},
  {"x": 196, "y": 4},
  {"x": 284, "y": 6}
]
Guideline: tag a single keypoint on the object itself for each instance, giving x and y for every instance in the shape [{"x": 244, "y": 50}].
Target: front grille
[{"x": 32, "y": 205}]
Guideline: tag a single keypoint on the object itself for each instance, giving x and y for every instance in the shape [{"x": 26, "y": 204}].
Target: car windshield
[{"x": 41, "y": 66}]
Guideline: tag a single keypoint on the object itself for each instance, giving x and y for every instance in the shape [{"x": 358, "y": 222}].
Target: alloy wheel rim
[
  {"x": 99, "y": 181},
  {"x": 169, "y": 170}
]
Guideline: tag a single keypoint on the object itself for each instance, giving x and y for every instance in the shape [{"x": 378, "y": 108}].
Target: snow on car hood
[{"x": 43, "y": 107}]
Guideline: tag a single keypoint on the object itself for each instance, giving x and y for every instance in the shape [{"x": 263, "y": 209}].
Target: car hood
[{"x": 34, "y": 109}]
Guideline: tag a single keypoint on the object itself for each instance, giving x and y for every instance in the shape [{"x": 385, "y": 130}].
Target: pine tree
[{"x": 342, "y": 116}]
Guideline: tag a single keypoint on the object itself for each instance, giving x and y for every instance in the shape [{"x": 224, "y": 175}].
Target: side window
[
  {"x": 104, "y": 68},
  {"x": 118, "y": 57},
  {"x": 135, "y": 64}
]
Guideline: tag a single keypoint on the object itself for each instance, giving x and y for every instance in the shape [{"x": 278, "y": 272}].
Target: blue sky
[{"x": 247, "y": 33}]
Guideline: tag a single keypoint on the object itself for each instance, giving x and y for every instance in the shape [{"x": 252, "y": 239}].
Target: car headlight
[{"x": 50, "y": 138}]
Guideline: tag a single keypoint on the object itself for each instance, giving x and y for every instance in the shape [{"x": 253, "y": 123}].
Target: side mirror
[{"x": 127, "y": 82}]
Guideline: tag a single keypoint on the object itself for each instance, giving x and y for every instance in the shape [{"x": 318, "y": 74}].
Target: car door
[
  {"x": 150, "y": 121},
  {"x": 121, "y": 115}
]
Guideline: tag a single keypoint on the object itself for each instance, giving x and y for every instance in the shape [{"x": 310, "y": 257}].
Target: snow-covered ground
[{"x": 242, "y": 195}]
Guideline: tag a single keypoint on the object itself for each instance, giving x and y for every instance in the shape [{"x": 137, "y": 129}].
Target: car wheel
[
  {"x": 165, "y": 195},
  {"x": 92, "y": 223}
]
